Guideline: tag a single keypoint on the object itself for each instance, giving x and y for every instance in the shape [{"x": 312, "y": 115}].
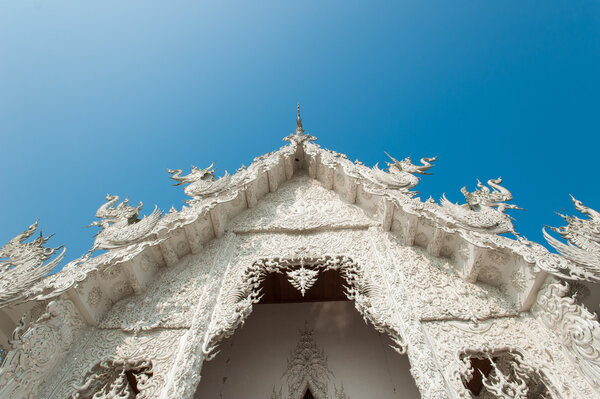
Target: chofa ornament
[
  {"x": 121, "y": 225},
  {"x": 201, "y": 183},
  {"x": 484, "y": 210},
  {"x": 583, "y": 248},
  {"x": 24, "y": 264},
  {"x": 401, "y": 174}
]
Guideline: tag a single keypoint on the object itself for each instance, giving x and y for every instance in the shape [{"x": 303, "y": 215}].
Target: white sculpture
[
  {"x": 25, "y": 264},
  {"x": 583, "y": 251},
  {"x": 121, "y": 225},
  {"x": 201, "y": 182},
  {"x": 484, "y": 210},
  {"x": 438, "y": 279}
]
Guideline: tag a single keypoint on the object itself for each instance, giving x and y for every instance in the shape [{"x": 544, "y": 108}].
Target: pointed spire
[{"x": 299, "y": 129}]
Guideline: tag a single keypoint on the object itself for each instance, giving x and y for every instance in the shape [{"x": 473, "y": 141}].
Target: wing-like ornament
[
  {"x": 201, "y": 183},
  {"x": 583, "y": 244},
  {"x": 24, "y": 264},
  {"x": 484, "y": 210},
  {"x": 400, "y": 175},
  {"x": 121, "y": 225}
]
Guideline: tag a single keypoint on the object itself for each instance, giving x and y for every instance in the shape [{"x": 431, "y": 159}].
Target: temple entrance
[{"x": 317, "y": 346}]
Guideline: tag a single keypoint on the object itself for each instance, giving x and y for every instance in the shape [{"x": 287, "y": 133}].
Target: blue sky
[{"x": 102, "y": 97}]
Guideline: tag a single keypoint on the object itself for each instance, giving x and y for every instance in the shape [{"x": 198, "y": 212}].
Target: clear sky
[{"x": 102, "y": 97}]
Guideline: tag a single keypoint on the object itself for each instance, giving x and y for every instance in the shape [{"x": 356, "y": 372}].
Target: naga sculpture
[
  {"x": 401, "y": 174},
  {"x": 201, "y": 182},
  {"x": 484, "y": 210},
  {"x": 24, "y": 265},
  {"x": 121, "y": 225},
  {"x": 583, "y": 248}
]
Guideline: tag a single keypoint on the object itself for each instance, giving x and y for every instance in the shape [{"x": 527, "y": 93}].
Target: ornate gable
[{"x": 435, "y": 277}]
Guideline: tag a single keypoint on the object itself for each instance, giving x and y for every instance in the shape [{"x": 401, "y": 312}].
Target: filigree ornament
[
  {"x": 307, "y": 369},
  {"x": 302, "y": 279},
  {"x": 201, "y": 183},
  {"x": 114, "y": 379},
  {"x": 583, "y": 248},
  {"x": 400, "y": 175},
  {"x": 243, "y": 290},
  {"x": 38, "y": 350},
  {"x": 484, "y": 210},
  {"x": 575, "y": 326},
  {"x": 22, "y": 264},
  {"x": 512, "y": 386},
  {"x": 121, "y": 225}
]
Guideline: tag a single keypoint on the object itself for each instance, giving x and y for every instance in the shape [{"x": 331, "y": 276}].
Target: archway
[{"x": 258, "y": 356}]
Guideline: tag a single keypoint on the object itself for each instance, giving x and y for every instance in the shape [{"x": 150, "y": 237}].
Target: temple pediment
[
  {"x": 301, "y": 204},
  {"x": 182, "y": 281}
]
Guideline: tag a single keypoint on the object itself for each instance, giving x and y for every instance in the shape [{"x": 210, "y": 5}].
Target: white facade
[{"x": 142, "y": 319}]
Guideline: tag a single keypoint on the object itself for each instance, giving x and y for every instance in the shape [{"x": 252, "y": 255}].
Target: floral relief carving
[
  {"x": 38, "y": 350},
  {"x": 175, "y": 293},
  {"x": 116, "y": 349},
  {"x": 538, "y": 350},
  {"x": 301, "y": 204},
  {"x": 575, "y": 327}
]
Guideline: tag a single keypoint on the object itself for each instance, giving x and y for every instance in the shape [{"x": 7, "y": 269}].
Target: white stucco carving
[
  {"x": 120, "y": 225},
  {"x": 583, "y": 249},
  {"x": 25, "y": 264},
  {"x": 38, "y": 351},
  {"x": 484, "y": 210},
  {"x": 575, "y": 326},
  {"x": 438, "y": 279},
  {"x": 201, "y": 182},
  {"x": 307, "y": 369}
]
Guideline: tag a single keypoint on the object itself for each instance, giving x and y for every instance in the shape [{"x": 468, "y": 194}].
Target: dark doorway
[
  {"x": 329, "y": 287},
  {"x": 308, "y": 395}
]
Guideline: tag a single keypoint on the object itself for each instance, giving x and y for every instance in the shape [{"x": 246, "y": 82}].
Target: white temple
[{"x": 260, "y": 287}]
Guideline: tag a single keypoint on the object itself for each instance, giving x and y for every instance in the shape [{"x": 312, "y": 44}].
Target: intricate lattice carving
[
  {"x": 121, "y": 225},
  {"x": 24, "y": 266}
]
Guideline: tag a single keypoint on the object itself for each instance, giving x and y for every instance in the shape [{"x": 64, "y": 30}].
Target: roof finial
[{"x": 299, "y": 129}]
